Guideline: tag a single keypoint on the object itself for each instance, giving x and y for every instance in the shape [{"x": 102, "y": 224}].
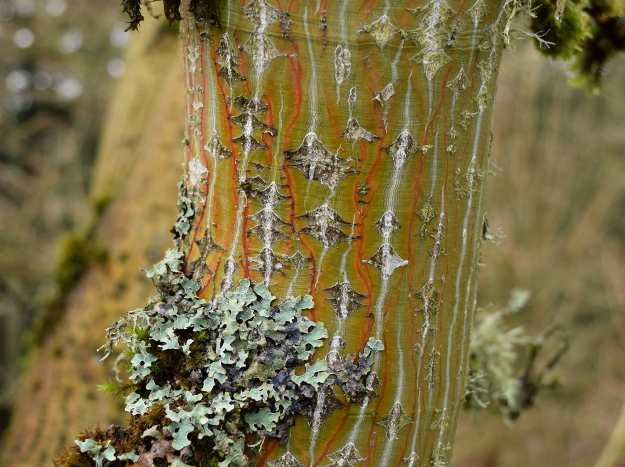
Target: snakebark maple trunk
[{"x": 341, "y": 150}]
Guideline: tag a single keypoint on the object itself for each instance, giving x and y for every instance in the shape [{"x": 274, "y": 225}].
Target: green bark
[{"x": 343, "y": 150}]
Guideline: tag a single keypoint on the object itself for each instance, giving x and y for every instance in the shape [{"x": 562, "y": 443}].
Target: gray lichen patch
[
  {"x": 381, "y": 30},
  {"x": 353, "y": 373},
  {"x": 387, "y": 224},
  {"x": 342, "y": 63},
  {"x": 223, "y": 369},
  {"x": 385, "y": 260},
  {"x": 354, "y": 132},
  {"x": 318, "y": 163},
  {"x": 426, "y": 213},
  {"x": 394, "y": 421},
  {"x": 197, "y": 172},
  {"x": 325, "y": 226},
  {"x": 344, "y": 299},
  {"x": 402, "y": 148},
  {"x": 345, "y": 457}
]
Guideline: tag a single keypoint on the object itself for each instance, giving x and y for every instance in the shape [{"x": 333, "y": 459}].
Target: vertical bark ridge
[{"x": 344, "y": 149}]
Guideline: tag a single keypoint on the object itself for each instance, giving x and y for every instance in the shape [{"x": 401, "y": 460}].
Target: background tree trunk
[{"x": 138, "y": 168}]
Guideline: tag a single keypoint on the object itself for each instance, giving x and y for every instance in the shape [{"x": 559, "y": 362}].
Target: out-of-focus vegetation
[
  {"x": 558, "y": 195},
  {"x": 58, "y": 63},
  {"x": 559, "y": 198}
]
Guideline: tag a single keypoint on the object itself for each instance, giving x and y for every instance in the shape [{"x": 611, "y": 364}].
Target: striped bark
[{"x": 340, "y": 149}]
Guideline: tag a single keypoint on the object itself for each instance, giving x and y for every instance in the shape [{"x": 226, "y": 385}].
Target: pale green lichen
[
  {"x": 498, "y": 378},
  {"x": 238, "y": 377}
]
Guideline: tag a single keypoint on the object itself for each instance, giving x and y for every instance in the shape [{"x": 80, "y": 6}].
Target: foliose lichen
[{"x": 220, "y": 369}]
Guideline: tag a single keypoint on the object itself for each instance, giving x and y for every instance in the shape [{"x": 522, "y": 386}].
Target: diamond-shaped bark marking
[
  {"x": 386, "y": 260},
  {"x": 266, "y": 229},
  {"x": 249, "y": 123},
  {"x": 431, "y": 35},
  {"x": 206, "y": 244},
  {"x": 433, "y": 14},
  {"x": 344, "y": 299},
  {"x": 226, "y": 51},
  {"x": 268, "y": 264},
  {"x": 248, "y": 106},
  {"x": 287, "y": 460},
  {"x": 394, "y": 421},
  {"x": 381, "y": 30},
  {"x": 326, "y": 403},
  {"x": 260, "y": 14},
  {"x": 426, "y": 214},
  {"x": 434, "y": 58},
  {"x": 317, "y": 163},
  {"x": 262, "y": 50},
  {"x": 345, "y": 457},
  {"x": 477, "y": 12},
  {"x": 228, "y": 57},
  {"x": 402, "y": 148},
  {"x": 270, "y": 196},
  {"x": 430, "y": 298},
  {"x": 387, "y": 224},
  {"x": 326, "y": 226},
  {"x": 217, "y": 149},
  {"x": 249, "y": 143},
  {"x": 298, "y": 260},
  {"x": 354, "y": 131},
  {"x": 458, "y": 84},
  {"x": 230, "y": 75}
]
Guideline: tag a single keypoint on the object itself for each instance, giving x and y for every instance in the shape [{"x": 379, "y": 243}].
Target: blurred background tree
[{"x": 559, "y": 198}]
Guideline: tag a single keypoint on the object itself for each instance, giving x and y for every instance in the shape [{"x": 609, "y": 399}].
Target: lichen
[{"x": 221, "y": 369}]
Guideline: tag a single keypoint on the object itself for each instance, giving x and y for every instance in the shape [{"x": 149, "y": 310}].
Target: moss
[
  {"x": 206, "y": 12},
  {"x": 76, "y": 251},
  {"x": 589, "y": 33}
]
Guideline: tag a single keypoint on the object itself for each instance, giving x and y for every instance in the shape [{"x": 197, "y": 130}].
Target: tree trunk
[{"x": 342, "y": 148}]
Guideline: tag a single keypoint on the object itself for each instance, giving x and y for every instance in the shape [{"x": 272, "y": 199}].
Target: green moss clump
[{"x": 588, "y": 34}]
